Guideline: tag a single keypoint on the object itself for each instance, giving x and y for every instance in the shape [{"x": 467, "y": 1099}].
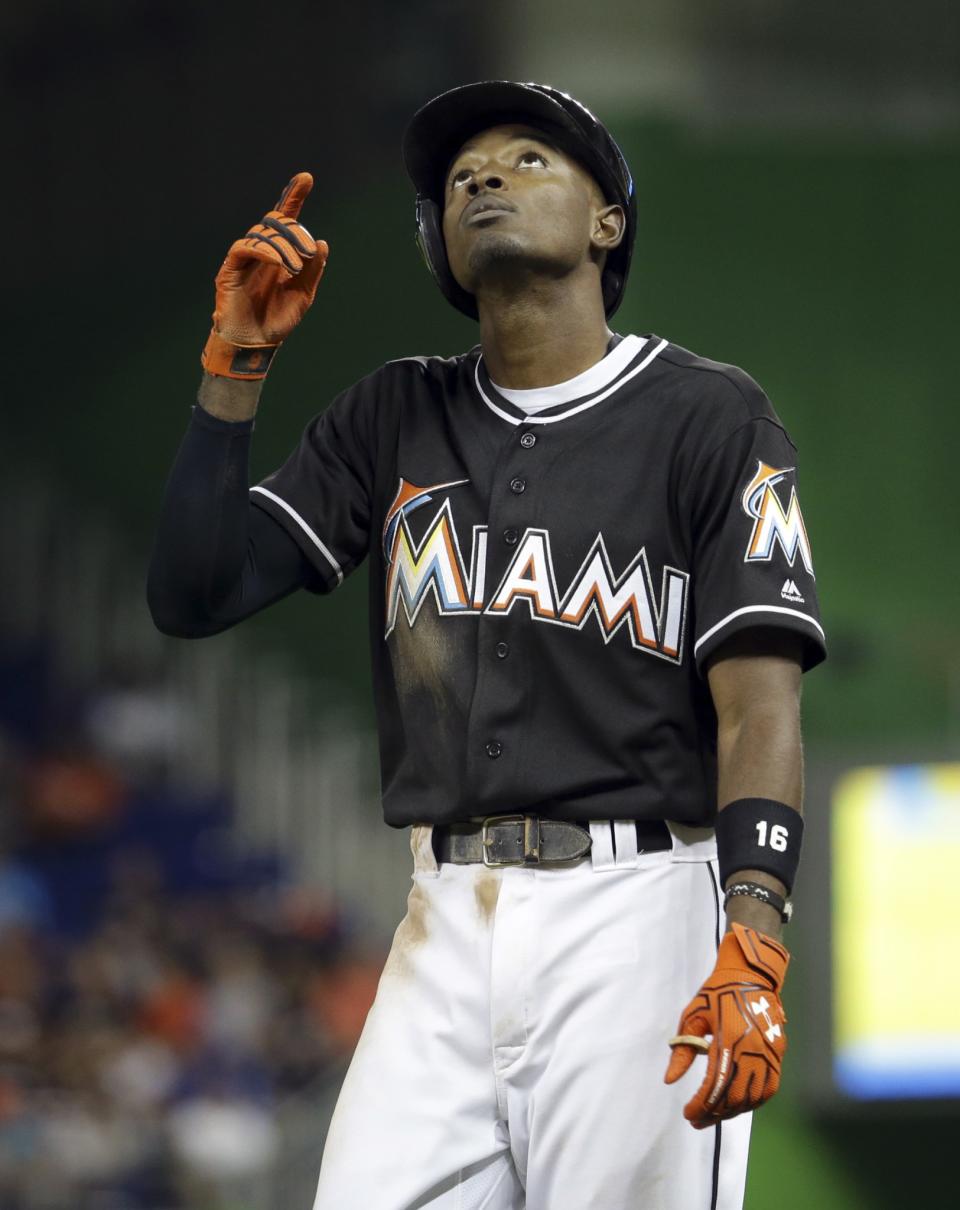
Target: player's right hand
[{"x": 265, "y": 286}]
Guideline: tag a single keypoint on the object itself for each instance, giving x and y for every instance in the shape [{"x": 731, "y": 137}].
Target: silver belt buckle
[{"x": 531, "y": 840}]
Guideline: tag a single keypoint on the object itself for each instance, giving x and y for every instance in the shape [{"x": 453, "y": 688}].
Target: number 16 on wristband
[{"x": 759, "y": 834}]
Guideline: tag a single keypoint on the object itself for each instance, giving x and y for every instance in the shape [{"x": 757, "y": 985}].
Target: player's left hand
[
  {"x": 739, "y": 1007},
  {"x": 269, "y": 278}
]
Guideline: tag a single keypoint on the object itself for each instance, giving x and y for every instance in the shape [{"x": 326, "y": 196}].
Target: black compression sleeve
[{"x": 217, "y": 559}]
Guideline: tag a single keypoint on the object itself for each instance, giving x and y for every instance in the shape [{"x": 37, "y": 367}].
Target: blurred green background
[{"x": 798, "y": 172}]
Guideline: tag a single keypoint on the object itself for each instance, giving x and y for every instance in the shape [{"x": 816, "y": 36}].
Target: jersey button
[
  {"x": 494, "y": 748},
  {"x": 511, "y": 536},
  {"x": 502, "y": 650},
  {"x": 517, "y": 486},
  {"x": 528, "y": 440}
]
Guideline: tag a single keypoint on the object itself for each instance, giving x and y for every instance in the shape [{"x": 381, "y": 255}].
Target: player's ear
[{"x": 609, "y": 228}]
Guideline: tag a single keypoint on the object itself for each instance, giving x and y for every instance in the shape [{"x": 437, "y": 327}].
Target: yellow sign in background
[{"x": 896, "y": 907}]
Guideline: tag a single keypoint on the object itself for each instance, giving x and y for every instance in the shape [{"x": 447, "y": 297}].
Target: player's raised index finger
[{"x": 295, "y": 194}]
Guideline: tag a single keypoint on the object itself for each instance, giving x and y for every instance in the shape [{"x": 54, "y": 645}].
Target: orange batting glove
[
  {"x": 264, "y": 288},
  {"x": 739, "y": 1007}
]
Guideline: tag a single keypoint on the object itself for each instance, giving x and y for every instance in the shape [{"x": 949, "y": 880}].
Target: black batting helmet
[{"x": 438, "y": 130}]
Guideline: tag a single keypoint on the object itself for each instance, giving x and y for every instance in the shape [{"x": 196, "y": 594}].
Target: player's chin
[{"x": 492, "y": 254}]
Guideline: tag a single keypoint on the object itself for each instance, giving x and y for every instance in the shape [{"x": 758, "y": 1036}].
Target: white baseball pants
[{"x": 513, "y": 1058}]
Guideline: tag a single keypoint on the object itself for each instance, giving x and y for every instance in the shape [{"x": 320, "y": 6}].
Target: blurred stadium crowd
[{"x": 165, "y": 999}]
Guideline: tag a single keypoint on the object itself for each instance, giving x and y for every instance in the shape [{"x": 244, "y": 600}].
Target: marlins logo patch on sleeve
[{"x": 774, "y": 525}]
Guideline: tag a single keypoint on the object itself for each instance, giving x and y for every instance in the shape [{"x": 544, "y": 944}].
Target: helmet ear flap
[
  {"x": 434, "y": 252},
  {"x": 429, "y": 235}
]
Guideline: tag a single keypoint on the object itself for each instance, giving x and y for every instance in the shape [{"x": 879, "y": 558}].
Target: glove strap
[
  {"x": 766, "y": 958},
  {"x": 228, "y": 360}
]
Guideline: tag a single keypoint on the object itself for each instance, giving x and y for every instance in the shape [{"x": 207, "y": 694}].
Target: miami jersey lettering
[{"x": 435, "y": 567}]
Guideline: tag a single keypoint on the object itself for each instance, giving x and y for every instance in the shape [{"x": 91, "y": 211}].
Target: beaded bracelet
[{"x": 764, "y": 894}]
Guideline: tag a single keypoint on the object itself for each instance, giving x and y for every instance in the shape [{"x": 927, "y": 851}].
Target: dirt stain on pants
[
  {"x": 486, "y": 892},
  {"x": 411, "y": 933}
]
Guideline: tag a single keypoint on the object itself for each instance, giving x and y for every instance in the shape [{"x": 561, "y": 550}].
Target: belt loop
[
  {"x": 601, "y": 851},
  {"x": 625, "y": 842},
  {"x": 531, "y": 838},
  {"x": 421, "y": 846},
  {"x": 692, "y": 844}
]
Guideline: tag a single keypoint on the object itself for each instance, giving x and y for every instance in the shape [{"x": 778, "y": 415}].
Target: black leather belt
[{"x": 528, "y": 840}]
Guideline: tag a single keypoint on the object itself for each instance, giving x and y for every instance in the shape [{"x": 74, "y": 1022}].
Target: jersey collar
[{"x": 625, "y": 361}]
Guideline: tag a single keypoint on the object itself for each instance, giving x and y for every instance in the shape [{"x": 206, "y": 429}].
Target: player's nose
[{"x": 490, "y": 181}]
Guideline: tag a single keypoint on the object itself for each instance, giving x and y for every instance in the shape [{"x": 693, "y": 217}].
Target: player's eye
[
  {"x": 531, "y": 157},
  {"x": 460, "y": 177}
]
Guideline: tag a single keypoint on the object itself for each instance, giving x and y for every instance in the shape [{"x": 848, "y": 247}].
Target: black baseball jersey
[{"x": 546, "y": 588}]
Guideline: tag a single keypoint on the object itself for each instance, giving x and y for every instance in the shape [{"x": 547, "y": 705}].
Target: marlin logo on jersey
[
  {"x": 409, "y": 496},
  {"x": 772, "y": 524},
  {"x": 435, "y": 566}
]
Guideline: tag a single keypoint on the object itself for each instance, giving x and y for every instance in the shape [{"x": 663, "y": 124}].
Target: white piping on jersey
[
  {"x": 756, "y": 609},
  {"x": 594, "y": 378},
  {"x": 570, "y": 411},
  {"x": 305, "y": 527},
  {"x": 417, "y": 357}
]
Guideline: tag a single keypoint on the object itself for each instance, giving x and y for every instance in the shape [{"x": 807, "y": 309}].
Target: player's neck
[{"x": 542, "y": 337}]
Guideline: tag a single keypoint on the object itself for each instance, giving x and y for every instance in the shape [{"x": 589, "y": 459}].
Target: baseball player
[{"x": 591, "y": 600}]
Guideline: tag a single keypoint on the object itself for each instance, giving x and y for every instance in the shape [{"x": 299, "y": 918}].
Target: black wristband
[
  {"x": 755, "y": 891},
  {"x": 759, "y": 834}
]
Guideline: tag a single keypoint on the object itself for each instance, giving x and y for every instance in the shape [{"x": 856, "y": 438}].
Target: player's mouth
[{"x": 485, "y": 206}]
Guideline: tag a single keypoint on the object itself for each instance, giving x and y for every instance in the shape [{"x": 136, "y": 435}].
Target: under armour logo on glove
[
  {"x": 762, "y": 1007},
  {"x": 739, "y": 1009}
]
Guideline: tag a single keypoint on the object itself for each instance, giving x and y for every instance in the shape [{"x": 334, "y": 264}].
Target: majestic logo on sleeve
[
  {"x": 435, "y": 566},
  {"x": 772, "y": 524}
]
